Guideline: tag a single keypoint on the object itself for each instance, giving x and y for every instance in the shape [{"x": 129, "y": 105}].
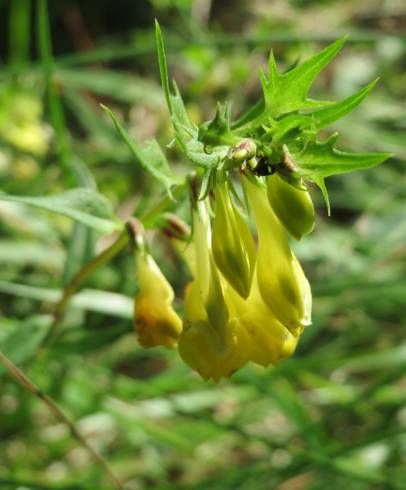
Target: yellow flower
[
  {"x": 281, "y": 281},
  {"x": 155, "y": 320},
  {"x": 213, "y": 342},
  {"x": 293, "y": 206},
  {"x": 270, "y": 341},
  {"x": 232, "y": 242}
]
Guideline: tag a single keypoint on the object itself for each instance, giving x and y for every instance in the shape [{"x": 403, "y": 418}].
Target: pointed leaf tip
[
  {"x": 337, "y": 110},
  {"x": 163, "y": 68}
]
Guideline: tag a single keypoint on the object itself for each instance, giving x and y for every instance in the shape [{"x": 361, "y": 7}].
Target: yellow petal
[
  {"x": 270, "y": 340},
  {"x": 281, "y": 281},
  {"x": 232, "y": 243},
  {"x": 197, "y": 349},
  {"x": 155, "y": 320}
]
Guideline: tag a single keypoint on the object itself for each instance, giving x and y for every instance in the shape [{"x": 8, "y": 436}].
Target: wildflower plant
[{"x": 248, "y": 187}]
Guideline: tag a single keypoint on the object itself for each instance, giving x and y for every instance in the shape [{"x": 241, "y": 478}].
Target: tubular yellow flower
[
  {"x": 232, "y": 243},
  {"x": 270, "y": 340},
  {"x": 213, "y": 342},
  {"x": 294, "y": 207},
  {"x": 281, "y": 281},
  {"x": 213, "y": 354},
  {"x": 155, "y": 320}
]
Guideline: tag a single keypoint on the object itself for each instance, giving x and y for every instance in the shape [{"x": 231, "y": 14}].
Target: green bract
[{"x": 284, "y": 120}]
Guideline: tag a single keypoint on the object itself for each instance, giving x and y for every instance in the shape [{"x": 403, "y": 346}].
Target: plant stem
[{"x": 25, "y": 382}]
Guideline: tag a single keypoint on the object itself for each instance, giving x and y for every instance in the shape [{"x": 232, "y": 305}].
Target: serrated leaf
[
  {"x": 82, "y": 205},
  {"x": 289, "y": 123},
  {"x": 319, "y": 160},
  {"x": 322, "y": 186},
  {"x": 325, "y": 117},
  {"x": 216, "y": 131},
  {"x": 151, "y": 158},
  {"x": 284, "y": 93},
  {"x": 195, "y": 151}
]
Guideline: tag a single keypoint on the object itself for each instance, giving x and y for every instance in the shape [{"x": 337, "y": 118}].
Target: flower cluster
[{"x": 247, "y": 301}]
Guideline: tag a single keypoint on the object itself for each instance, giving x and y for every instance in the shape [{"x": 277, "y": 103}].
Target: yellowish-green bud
[
  {"x": 293, "y": 206},
  {"x": 232, "y": 243},
  {"x": 244, "y": 150},
  {"x": 155, "y": 320}
]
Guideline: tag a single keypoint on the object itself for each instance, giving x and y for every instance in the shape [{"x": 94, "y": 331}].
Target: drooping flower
[
  {"x": 281, "y": 280},
  {"x": 292, "y": 205},
  {"x": 232, "y": 243},
  {"x": 155, "y": 320},
  {"x": 213, "y": 342}
]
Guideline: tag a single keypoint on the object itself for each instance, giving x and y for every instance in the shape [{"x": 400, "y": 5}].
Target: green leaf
[
  {"x": 163, "y": 68},
  {"x": 180, "y": 119},
  {"x": 195, "y": 151},
  {"x": 184, "y": 129},
  {"x": 322, "y": 186},
  {"x": 284, "y": 93},
  {"x": 320, "y": 159},
  {"x": 217, "y": 131},
  {"x": 83, "y": 205},
  {"x": 151, "y": 158},
  {"x": 324, "y": 117}
]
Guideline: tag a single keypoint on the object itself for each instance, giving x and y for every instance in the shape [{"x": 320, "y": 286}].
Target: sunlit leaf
[{"x": 83, "y": 205}]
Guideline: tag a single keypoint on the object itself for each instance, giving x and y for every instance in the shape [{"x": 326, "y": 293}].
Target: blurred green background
[{"x": 333, "y": 416}]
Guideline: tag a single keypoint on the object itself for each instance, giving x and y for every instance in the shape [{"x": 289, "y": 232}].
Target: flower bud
[
  {"x": 281, "y": 281},
  {"x": 233, "y": 246},
  {"x": 155, "y": 320},
  {"x": 293, "y": 207},
  {"x": 245, "y": 149}
]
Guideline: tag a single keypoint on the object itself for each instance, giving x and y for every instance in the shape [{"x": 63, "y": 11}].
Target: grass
[{"x": 333, "y": 416}]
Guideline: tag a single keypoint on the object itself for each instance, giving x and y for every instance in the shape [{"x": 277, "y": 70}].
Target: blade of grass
[
  {"x": 19, "y": 32},
  {"x": 44, "y": 47}
]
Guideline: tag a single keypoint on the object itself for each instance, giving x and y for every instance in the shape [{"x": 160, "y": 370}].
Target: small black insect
[{"x": 263, "y": 167}]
